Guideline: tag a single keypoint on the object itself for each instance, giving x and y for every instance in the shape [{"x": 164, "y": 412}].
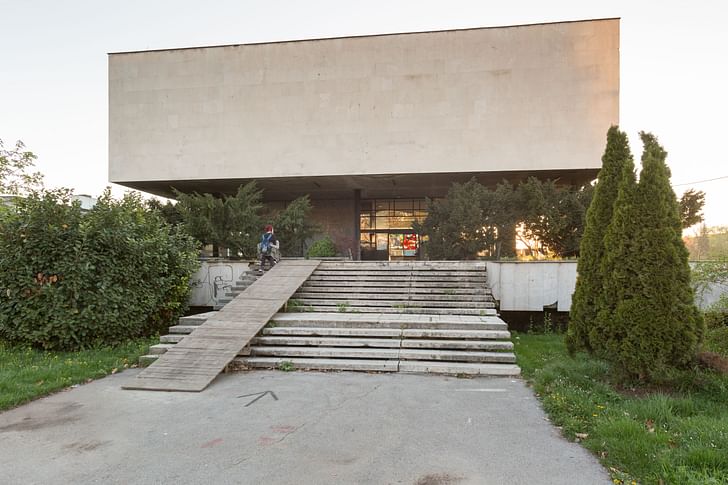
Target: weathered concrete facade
[
  {"x": 382, "y": 116},
  {"x": 524, "y": 98}
]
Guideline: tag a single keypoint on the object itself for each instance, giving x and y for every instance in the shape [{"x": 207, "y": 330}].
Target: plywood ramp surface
[{"x": 194, "y": 362}]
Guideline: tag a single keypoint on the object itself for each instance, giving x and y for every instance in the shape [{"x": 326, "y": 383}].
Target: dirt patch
[
  {"x": 438, "y": 479},
  {"x": 714, "y": 361},
  {"x": 50, "y": 417}
]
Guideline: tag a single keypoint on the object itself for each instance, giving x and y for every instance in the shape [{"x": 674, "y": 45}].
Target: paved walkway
[{"x": 319, "y": 428}]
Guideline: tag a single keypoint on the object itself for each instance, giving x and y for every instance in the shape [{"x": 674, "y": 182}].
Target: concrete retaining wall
[
  {"x": 214, "y": 278},
  {"x": 517, "y": 285}
]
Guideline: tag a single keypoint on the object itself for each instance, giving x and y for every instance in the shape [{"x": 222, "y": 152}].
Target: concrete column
[{"x": 356, "y": 250}]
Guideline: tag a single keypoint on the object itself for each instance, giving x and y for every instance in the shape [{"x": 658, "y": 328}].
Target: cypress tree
[
  {"x": 605, "y": 334},
  {"x": 654, "y": 324},
  {"x": 584, "y": 307}
]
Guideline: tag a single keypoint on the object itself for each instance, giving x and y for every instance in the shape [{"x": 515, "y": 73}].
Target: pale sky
[{"x": 53, "y": 82}]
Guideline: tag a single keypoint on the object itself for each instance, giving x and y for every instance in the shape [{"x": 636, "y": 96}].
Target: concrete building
[{"x": 368, "y": 126}]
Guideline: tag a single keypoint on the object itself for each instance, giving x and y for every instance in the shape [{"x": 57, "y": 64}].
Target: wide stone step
[
  {"x": 332, "y": 332},
  {"x": 444, "y": 326},
  {"x": 430, "y": 333},
  {"x": 383, "y": 353},
  {"x": 410, "y": 265},
  {"x": 442, "y": 337},
  {"x": 459, "y": 368},
  {"x": 370, "y": 365},
  {"x": 457, "y": 355},
  {"x": 344, "y": 305},
  {"x": 160, "y": 348},
  {"x": 171, "y": 339},
  {"x": 327, "y": 341},
  {"x": 395, "y": 284},
  {"x": 384, "y": 321},
  {"x": 406, "y": 273},
  {"x": 444, "y": 290},
  {"x": 182, "y": 329},
  {"x": 493, "y": 345},
  {"x": 145, "y": 360},
  {"x": 402, "y": 297},
  {"x": 415, "y": 280},
  {"x": 197, "y": 319},
  {"x": 426, "y": 367},
  {"x": 325, "y": 352},
  {"x": 407, "y": 310}
]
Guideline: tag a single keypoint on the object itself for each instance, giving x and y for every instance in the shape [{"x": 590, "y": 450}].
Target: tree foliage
[
  {"x": 168, "y": 211},
  {"x": 15, "y": 166},
  {"x": 691, "y": 207},
  {"x": 459, "y": 226},
  {"x": 647, "y": 320},
  {"x": 553, "y": 215},
  {"x": 294, "y": 226},
  {"x": 71, "y": 280},
  {"x": 474, "y": 220},
  {"x": 232, "y": 222},
  {"x": 617, "y": 163}
]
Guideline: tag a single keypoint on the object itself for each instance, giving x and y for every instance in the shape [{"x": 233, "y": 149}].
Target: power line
[{"x": 701, "y": 181}]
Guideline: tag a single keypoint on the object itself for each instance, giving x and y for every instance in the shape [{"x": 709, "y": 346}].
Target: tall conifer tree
[
  {"x": 655, "y": 324},
  {"x": 584, "y": 307},
  {"x": 604, "y": 334}
]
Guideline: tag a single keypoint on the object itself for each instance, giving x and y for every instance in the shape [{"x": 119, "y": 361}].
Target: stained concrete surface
[{"x": 312, "y": 428}]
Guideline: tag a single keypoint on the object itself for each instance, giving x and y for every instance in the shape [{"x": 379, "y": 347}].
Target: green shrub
[
  {"x": 715, "y": 318},
  {"x": 323, "y": 248},
  {"x": 70, "y": 280},
  {"x": 716, "y": 340}
]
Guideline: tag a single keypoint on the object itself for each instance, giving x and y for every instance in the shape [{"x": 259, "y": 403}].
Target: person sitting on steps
[{"x": 268, "y": 248}]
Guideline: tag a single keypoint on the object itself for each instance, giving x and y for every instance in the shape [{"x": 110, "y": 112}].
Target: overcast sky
[{"x": 53, "y": 79}]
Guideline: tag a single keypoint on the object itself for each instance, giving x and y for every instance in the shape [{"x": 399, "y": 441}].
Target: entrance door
[{"x": 386, "y": 231}]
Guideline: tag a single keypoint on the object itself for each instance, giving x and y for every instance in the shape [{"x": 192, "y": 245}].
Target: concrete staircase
[
  {"x": 423, "y": 287},
  {"x": 246, "y": 279},
  {"x": 389, "y": 317}
]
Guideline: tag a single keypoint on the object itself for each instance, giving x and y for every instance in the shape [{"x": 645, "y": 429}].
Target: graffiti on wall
[{"x": 211, "y": 283}]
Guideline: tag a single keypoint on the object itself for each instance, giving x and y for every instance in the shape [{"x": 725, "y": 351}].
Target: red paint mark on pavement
[
  {"x": 212, "y": 443},
  {"x": 283, "y": 429},
  {"x": 266, "y": 441}
]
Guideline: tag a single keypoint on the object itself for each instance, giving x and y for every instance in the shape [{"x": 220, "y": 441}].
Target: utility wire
[{"x": 701, "y": 181}]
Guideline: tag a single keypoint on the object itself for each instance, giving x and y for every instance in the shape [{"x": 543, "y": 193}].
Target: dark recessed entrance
[{"x": 386, "y": 228}]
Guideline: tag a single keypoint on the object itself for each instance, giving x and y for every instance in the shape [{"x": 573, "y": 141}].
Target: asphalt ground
[{"x": 272, "y": 427}]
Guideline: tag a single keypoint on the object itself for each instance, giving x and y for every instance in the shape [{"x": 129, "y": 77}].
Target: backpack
[{"x": 265, "y": 245}]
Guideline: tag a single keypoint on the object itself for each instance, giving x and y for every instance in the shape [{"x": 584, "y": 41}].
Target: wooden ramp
[{"x": 194, "y": 362}]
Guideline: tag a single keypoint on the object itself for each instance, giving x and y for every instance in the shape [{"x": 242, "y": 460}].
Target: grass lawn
[
  {"x": 27, "y": 374},
  {"x": 674, "y": 433}
]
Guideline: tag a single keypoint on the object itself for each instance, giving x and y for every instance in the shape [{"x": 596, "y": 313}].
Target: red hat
[{"x": 268, "y": 228}]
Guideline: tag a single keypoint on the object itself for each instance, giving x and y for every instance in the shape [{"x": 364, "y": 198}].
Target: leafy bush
[
  {"x": 716, "y": 340},
  {"x": 323, "y": 248},
  {"x": 70, "y": 280},
  {"x": 716, "y": 317}
]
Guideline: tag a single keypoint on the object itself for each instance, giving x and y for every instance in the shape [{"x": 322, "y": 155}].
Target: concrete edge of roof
[{"x": 315, "y": 39}]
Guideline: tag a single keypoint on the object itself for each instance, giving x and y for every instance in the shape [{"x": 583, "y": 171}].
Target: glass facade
[{"x": 386, "y": 228}]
